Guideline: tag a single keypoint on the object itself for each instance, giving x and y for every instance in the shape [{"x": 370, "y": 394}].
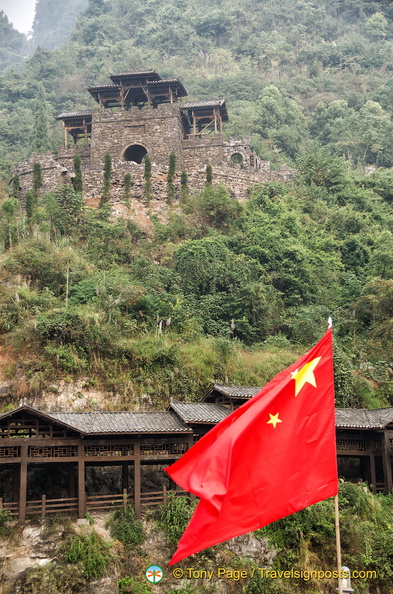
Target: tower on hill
[{"x": 141, "y": 114}]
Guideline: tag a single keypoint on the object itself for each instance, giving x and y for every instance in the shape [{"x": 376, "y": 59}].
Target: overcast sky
[{"x": 20, "y": 13}]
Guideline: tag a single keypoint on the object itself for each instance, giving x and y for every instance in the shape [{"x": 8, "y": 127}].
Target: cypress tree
[
  {"x": 147, "y": 177},
  {"x": 78, "y": 180},
  {"x": 127, "y": 189},
  {"x": 41, "y": 141},
  {"x": 106, "y": 189},
  {"x": 29, "y": 204},
  {"x": 15, "y": 186},
  {"x": 171, "y": 177},
  {"x": 184, "y": 185},
  {"x": 209, "y": 175},
  {"x": 37, "y": 181}
]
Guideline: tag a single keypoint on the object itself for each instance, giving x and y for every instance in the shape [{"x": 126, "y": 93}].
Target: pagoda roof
[
  {"x": 103, "y": 87},
  {"x": 361, "y": 418},
  {"x": 245, "y": 392},
  {"x": 200, "y": 412},
  {"x": 65, "y": 115},
  {"x": 168, "y": 82},
  {"x": 207, "y": 103},
  {"x": 104, "y": 423},
  {"x": 109, "y": 423},
  {"x": 147, "y": 75},
  {"x": 206, "y": 107}
]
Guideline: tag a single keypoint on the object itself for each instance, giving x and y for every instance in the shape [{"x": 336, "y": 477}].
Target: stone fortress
[{"x": 138, "y": 114}]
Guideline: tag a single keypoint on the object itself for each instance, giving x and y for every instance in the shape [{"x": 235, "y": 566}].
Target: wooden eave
[
  {"x": 40, "y": 415},
  {"x": 107, "y": 95},
  {"x": 164, "y": 86},
  {"x": 137, "y": 77}
]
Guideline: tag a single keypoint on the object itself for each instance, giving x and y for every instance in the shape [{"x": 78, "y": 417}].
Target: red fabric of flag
[{"x": 271, "y": 457}]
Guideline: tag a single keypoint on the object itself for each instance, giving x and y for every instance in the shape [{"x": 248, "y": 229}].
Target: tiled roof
[
  {"x": 73, "y": 114},
  {"x": 94, "y": 423},
  {"x": 237, "y": 391},
  {"x": 103, "y": 87},
  {"x": 200, "y": 412},
  {"x": 358, "y": 418},
  {"x": 163, "y": 81},
  {"x": 209, "y": 103},
  {"x": 134, "y": 73}
]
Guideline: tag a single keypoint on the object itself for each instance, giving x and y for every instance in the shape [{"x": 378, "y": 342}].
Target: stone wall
[
  {"x": 159, "y": 130},
  {"x": 238, "y": 179},
  {"x": 198, "y": 151},
  {"x": 53, "y": 173},
  {"x": 65, "y": 156}
]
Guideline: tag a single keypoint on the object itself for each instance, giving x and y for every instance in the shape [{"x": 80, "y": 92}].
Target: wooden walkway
[{"x": 42, "y": 507}]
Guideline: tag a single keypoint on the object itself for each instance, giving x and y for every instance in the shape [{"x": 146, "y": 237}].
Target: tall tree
[
  {"x": 78, "y": 179},
  {"x": 106, "y": 188},
  {"x": 41, "y": 141},
  {"x": 171, "y": 177},
  {"x": 147, "y": 177}
]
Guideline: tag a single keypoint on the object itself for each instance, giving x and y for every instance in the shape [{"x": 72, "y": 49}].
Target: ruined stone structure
[{"x": 140, "y": 114}]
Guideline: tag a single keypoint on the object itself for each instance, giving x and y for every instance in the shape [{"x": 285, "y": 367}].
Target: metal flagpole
[
  {"x": 338, "y": 544},
  {"x": 337, "y": 522}
]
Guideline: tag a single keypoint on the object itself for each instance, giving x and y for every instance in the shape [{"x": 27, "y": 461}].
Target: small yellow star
[
  {"x": 305, "y": 375},
  {"x": 274, "y": 420}
]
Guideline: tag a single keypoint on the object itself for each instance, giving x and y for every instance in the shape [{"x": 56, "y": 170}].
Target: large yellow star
[
  {"x": 274, "y": 420},
  {"x": 305, "y": 375}
]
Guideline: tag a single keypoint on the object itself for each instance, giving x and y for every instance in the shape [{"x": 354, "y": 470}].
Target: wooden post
[
  {"x": 215, "y": 120},
  {"x": 373, "y": 473},
  {"x": 122, "y": 94},
  {"x": 137, "y": 480},
  {"x": 81, "y": 482},
  {"x": 219, "y": 122},
  {"x": 124, "y": 476},
  {"x": 85, "y": 129},
  {"x": 1, "y": 503},
  {"x": 125, "y": 496},
  {"x": 43, "y": 506},
  {"x": 193, "y": 123},
  {"x": 387, "y": 462},
  {"x": 15, "y": 482},
  {"x": 338, "y": 544},
  {"x": 72, "y": 491},
  {"x": 164, "y": 494},
  {"x": 23, "y": 484},
  {"x": 65, "y": 136}
]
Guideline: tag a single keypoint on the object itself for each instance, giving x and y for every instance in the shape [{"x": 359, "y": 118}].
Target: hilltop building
[{"x": 140, "y": 113}]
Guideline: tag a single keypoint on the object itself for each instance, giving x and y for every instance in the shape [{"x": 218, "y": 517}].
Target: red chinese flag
[{"x": 271, "y": 457}]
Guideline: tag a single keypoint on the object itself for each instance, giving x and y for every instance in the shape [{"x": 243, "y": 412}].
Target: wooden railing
[
  {"x": 107, "y": 502},
  {"x": 42, "y": 507}
]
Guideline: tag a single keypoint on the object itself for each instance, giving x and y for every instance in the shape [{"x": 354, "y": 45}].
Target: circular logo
[{"x": 154, "y": 574}]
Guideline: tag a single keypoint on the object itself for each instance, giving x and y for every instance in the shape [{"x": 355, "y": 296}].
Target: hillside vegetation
[
  {"x": 85, "y": 296},
  {"x": 152, "y": 312},
  {"x": 294, "y": 73}
]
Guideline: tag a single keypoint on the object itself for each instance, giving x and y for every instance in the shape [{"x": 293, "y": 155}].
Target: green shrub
[
  {"x": 130, "y": 585},
  {"x": 52, "y": 579},
  {"x": 174, "y": 516},
  {"x": 4, "y": 518},
  {"x": 89, "y": 549},
  {"x": 126, "y": 528}
]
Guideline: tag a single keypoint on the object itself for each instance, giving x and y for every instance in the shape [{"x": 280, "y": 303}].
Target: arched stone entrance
[{"x": 134, "y": 152}]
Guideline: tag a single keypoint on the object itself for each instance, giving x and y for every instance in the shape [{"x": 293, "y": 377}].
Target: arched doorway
[
  {"x": 237, "y": 159},
  {"x": 135, "y": 153}
]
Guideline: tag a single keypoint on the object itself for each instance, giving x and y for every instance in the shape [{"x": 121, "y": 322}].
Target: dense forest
[{"x": 294, "y": 74}]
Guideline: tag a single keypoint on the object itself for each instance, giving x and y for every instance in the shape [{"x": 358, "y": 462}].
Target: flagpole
[{"x": 338, "y": 544}]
